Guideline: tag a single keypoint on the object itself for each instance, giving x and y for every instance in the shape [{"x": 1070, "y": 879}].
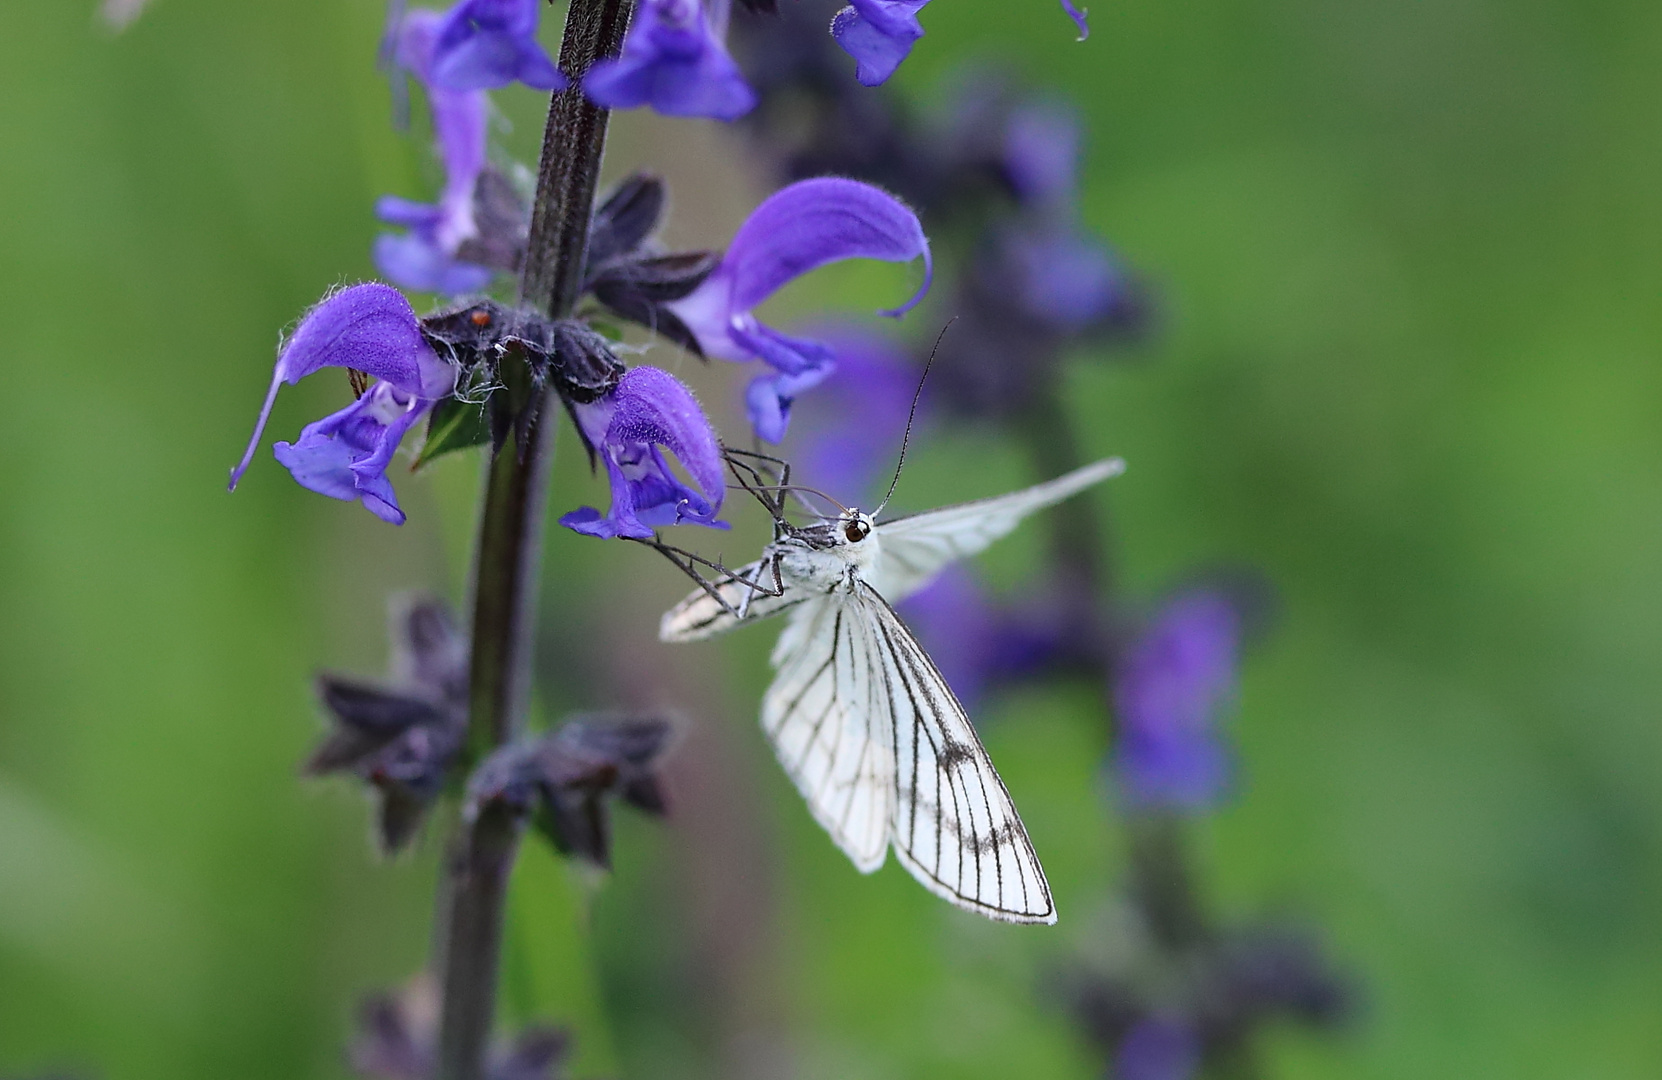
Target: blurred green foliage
[{"x": 1409, "y": 258}]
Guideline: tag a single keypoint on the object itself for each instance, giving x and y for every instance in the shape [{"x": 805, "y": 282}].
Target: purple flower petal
[
  {"x": 370, "y": 328},
  {"x": 345, "y": 455},
  {"x": 814, "y": 222},
  {"x": 879, "y": 34},
  {"x": 1077, "y": 14},
  {"x": 486, "y": 44},
  {"x": 1065, "y": 277},
  {"x": 798, "y": 229},
  {"x": 406, "y": 212},
  {"x": 674, "y": 62},
  {"x": 768, "y": 398},
  {"x": 649, "y": 409},
  {"x": 779, "y": 350}
]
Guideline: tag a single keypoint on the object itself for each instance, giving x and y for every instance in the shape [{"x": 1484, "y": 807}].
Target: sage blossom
[
  {"x": 799, "y": 228},
  {"x": 369, "y": 328},
  {"x": 675, "y": 61},
  {"x": 629, "y": 429},
  {"x": 487, "y": 44}
]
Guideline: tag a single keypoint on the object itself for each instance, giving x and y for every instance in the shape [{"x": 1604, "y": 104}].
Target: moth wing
[
  {"x": 751, "y": 589},
  {"x": 918, "y": 547},
  {"x": 828, "y": 718},
  {"x": 953, "y": 823}
]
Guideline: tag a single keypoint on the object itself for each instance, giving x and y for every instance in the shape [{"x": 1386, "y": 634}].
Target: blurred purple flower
[
  {"x": 650, "y": 409},
  {"x": 486, "y": 44},
  {"x": 1170, "y": 685},
  {"x": 425, "y": 257},
  {"x": 797, "y": 229},
  {"x": 1065, "y": 278},
  {"x": 675, "y": 62},
  {"x": 978, "y": 642},
  {"x": 879, "y": 34},
  {"x": 1041, "y": 153},
  {"x": 1158, "y": 1048},
  {"x": 369, "y": 328},
  {"x": 850, "y": 430}
]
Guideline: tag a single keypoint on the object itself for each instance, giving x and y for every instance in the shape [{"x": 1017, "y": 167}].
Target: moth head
[{"x": 854, "y": 525}]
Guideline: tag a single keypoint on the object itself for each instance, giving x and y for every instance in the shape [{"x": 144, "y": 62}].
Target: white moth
[{"x": 860, "y": 716}]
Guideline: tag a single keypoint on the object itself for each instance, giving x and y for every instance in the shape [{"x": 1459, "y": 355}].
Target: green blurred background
[{"x": 1409, "y": 258}]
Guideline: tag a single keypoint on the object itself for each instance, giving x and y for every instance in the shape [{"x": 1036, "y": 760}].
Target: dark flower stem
[
  {"x": 475, "y": 888},
  {"x": 569, "y": 173},
  {"x": 1162, "y": 886}
]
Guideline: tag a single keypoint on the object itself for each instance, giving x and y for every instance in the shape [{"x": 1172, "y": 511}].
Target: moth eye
[
  {"x": 480, "y": 318},
  {"x": 856, "y": 531}
]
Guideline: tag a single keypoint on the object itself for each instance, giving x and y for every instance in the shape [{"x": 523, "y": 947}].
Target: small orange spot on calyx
[{"x": 480, "y": 317}]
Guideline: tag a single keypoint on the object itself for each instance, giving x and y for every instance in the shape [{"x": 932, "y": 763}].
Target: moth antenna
[
  {"x": 799, "y": 489},
  {"x": 912, "y": 415}
]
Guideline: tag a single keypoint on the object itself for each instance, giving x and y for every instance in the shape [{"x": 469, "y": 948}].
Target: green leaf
[
  {"x": 454, "y": 425},
  {"x": 606, "y": 329}
]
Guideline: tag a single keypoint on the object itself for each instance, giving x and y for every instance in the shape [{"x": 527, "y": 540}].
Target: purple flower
[
  {"x": 1170, "y": 686},
  {"x": 486, "y": 44},
  {"x": 1158, "y": 1048},
  {"x": 1065, "y": 278},
  {"x": 370, "y": 328},
  {"x": 878, "y": 34},
  {"x": 675, "y": 62},
  {"x": 425, "y": 257},
  {"x": 797, "y": 229},
  {"x": 1041, "y": 153},
  {"x": 648, "y": 410}
]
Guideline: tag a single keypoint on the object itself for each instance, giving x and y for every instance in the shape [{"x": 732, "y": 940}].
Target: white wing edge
[
  {"x": 917, "y": 547},
  {"x": 1030, "y": 499}
]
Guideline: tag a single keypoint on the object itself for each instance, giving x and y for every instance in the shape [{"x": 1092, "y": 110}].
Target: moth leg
[
  {"x": 767, "y": 474},
  {"x": 688, "y": 563}
]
